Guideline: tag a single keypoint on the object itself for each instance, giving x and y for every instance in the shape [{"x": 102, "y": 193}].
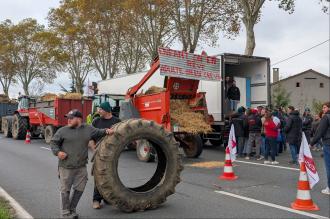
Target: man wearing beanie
[{"x": 106, "y": 120}]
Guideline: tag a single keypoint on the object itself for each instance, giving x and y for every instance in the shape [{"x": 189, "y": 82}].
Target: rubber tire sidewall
[
  {"x": 199, "y": 147},
  {"x": 106, "y": 160},
  {"x": 51, "y": 130},
  {"x": 22, "y": 126}
]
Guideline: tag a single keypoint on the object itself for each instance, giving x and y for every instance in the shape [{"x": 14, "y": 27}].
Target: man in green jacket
[{"x": 70, "y": 145}]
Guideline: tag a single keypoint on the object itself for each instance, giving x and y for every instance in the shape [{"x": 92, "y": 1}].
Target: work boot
[
  {"x": 74, "y": 214},
  {"x": 96, "y": 205},
  {"x": 65, "y": 198},
  {"x": 74, "y": 200}
]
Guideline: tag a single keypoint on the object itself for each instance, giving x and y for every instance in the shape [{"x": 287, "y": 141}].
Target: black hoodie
[
  {"x": 293, "y": 128},
  {"x": 323, "y": 131}
]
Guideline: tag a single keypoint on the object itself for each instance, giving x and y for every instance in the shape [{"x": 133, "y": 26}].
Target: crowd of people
[{"x": 265, "y": 133}]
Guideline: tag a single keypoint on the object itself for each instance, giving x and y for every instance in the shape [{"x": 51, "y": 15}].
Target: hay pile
[
  {"x": 71, "y": 96},
  {"x": 4, "y": 98},
  {"x": 187, "y": 120},
  {"x": 209, "y": 165},
  {"x": 155, "y": 90},
  {"x": 48, "y": 97}
]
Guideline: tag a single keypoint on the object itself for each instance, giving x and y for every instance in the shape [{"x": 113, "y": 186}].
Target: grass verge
[{"x": 6, "y": 212}]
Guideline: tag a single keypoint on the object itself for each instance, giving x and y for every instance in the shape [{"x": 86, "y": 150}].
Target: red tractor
[
  {"x": 44, "y": 117},
  {"x": 156, "y": 107}
]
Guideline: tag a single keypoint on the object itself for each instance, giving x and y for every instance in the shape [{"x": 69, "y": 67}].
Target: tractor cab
[
  {"x": 114, "y": 100},
  {"x": 23, "y": 102}
]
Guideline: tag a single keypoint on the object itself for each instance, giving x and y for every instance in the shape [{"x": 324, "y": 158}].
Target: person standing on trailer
[
  {"x": 70, "y": 145},
  {"x": 233, "y": 95},
  {"x": 106, "y": 120}
]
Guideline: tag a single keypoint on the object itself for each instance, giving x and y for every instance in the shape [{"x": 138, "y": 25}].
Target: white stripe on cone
[
  {"x": 303, "y": 176},
  {"x": 228, "y": 169},
  {"x": 304, "y": 195}
]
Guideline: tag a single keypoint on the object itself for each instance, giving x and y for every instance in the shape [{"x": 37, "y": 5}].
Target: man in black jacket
[
  {"x": 233, "y": 95},
  {"x": 240, "y": 130},
  {"x": 323, "y": 131},
  {"x": 293, "y": 131},
  {"x": 254, "y": 124},
  {"x": 105, "y": 121},
  {"x": 307, "y": 124}
]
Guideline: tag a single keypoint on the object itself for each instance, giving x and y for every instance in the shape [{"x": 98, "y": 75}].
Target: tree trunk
[
  {"x": 250, "y": 39},
  {"x": 26, "y": 89},
  {"x": 79, "y": 86},
  {"x": 6, "y": 90}
]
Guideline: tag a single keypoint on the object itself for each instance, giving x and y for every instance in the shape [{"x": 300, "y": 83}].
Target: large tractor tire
[
  {"x": 145, "y": 151},
  {"x": 49, "y": 133},
  {"x": 6, "y": 126},
  {"x": 162, "y": 184},
  {"x": 192, "y": 145},
  {"x": 20, "y": 126}
]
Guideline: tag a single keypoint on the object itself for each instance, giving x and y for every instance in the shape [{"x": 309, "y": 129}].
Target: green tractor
[{"x": 113, "y": 99}]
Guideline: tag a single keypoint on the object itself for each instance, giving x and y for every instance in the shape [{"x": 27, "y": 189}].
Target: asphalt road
[{"x": 29, "y": 174}]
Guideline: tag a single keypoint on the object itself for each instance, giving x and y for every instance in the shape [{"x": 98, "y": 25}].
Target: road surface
[{"x": 28, "y": 172}]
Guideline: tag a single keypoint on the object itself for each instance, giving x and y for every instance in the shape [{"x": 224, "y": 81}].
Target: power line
[{"x": 300, "y": 52}]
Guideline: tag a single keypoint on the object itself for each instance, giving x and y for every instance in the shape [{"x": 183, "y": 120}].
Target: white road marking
[
  {"x": 267, "y": 165},
  {"x": 272, "y": 205},
  {"x": 45, "y": 148},
  {"x": 19, "y": 210}
]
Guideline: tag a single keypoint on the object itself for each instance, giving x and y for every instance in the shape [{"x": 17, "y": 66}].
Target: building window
[
  {"x": 321, "y": 85},
  {"x": 297, "y": 84}
]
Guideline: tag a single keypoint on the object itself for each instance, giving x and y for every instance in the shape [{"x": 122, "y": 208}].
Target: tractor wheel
[
  {"x": 162, "y": 183},
  {"x": 192, "y": 145},
  {"x": 145, "y": 151},
  {"x": 49, "y": 133},
  {"x": 6, "y": 127},
  {"x": 20, "y": 126}
]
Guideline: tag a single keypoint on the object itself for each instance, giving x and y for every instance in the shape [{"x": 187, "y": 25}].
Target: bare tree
[
  {"x": 74, "y": 56},
  {"x": 7, "y": 65},
  {"x": 103, "y": 32},
  {"x": 250, "y": 14},
  {"x": 154, "y": 23},
  {"x": 202, "y": 20}
]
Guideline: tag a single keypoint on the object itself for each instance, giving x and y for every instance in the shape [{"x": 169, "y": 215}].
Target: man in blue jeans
[
  {"x": 323, "y": 131},
  {"x": 293, "y": 130}
]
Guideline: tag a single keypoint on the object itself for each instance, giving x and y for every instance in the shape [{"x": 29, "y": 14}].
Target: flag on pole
[
  {"x": 305, "y": 155},
  {"x": 232, "y": 145}
]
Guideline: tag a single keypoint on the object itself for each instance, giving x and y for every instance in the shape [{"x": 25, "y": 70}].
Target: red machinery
[
  {"x": 156, "y": 106},
  {"x": 45, "y": 117}
]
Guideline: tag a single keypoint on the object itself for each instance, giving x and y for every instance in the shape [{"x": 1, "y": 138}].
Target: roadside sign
[{"x": 182, "y": 64}]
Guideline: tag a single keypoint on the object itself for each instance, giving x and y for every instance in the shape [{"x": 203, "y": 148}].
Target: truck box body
[
  {"x": 53, "y": 112},
  {"x": 252, "y": 75},
  {"x": 7, "y": 109}
]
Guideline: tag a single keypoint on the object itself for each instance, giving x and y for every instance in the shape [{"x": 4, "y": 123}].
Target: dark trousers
[
  {"x": 326, "y": 152},
  {"x": 97, "y": 196},
  {"x": 271, "y": 146}
]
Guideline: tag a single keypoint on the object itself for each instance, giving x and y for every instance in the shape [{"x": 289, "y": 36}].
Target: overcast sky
[{"x": 278, "y": 35}]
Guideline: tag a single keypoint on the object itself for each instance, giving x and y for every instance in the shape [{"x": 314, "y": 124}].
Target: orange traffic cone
[
  {"x": 304, "y": 200},
  {"x": 28, "y": 137},
  {"x": 228, "y": 173}
]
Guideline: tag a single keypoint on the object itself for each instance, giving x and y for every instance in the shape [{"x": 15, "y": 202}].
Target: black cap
[{"x": 74, "y": 113}]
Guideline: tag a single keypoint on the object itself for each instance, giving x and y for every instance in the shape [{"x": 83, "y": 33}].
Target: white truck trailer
[{"x": 252, "y": 76}]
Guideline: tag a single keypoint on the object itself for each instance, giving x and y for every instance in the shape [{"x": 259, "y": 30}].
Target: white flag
[
  {"x": 232, "y": 145},
  {"x": 305, "y": 155}
]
